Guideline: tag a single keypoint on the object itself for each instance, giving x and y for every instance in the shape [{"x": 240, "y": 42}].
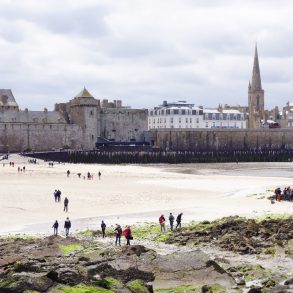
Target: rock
[
  {"x": 269, "y": 283},
  {"x": 134, "y": 249},
  {"x": 206, "y": 289},
  {"x": 281, "y": 289},
  {"x": 69, "y": 276},
  {"x": 53, "y": 275},
  {"x": 32, "y": 281},
  {"x": 240, "y": 282},
  {"x": 289, "y": 282},
  {"x": 255, "y": 290}
]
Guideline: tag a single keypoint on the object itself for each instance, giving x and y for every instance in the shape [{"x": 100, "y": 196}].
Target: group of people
[
  {"x": 89, "y": 176},
  {"x": 57, "y": 196},
  {"x": 19, "y": 169},
  {"x": 162, "y": 222},
  {"x": 127, "y": 233},
  {"x": 286, "y": 194},
  {"x": 67, "y": 226}
]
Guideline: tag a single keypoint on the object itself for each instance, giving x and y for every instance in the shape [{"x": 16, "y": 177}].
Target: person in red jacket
[
  {"x": 162, "y": 221},
  {"x": 128, "y": 235}
]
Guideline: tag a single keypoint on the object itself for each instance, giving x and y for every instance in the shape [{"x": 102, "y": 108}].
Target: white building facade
[
  {"x": 213, "y": 118},
  {"x": 175, "y": 115},
  {"x": 185, "y": 115}
]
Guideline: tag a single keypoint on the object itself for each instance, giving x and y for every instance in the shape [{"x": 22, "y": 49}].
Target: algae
[
  {"x": 137, "y": 286},
  {"x": 81, "y": 288},
  {"x": 67, "y": 249}
]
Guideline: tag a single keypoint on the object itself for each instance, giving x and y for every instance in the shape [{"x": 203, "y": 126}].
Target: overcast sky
[{"x": 144, "y": 52}]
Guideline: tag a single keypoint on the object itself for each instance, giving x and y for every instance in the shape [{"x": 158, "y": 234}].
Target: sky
[{"x": 144, "y": 52}]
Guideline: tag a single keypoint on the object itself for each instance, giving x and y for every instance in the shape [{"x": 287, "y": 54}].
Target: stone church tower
[{"x": 255, "y": 97}]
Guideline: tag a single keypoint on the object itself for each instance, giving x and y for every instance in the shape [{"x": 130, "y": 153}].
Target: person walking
[
  {"x": 171, "y": 221},
  {"x": 118, "y": 233},
  {"x": 178, "y": 220},
  {"x": 68, "y": 173},
  {"x": 55, "y": 226},
  {"x": 162, "y": 221},
  {"x": 128, "y": 235},
  {"x": 56, "y": 195},
  {"x": 99, "y": 174},
  {"x": 67, "y": 226},
  {"x": 66, "y": 201},
  {"x": 103, "y": 226}
]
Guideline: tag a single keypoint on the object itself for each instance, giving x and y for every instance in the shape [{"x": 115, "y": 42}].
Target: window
[
  {"x": 172, "y": 119},
  {"x": 183, "y": 112},
  {"x": 207, "y": 116},
  {"x": 179, "y": 119},
  {"x": 190, "y": 120},
  {"x": 214, "y": 124},
  {"x": 194, "y": 112},
  {"x": 186, "y": 120},
  {"x": 221, "y": 116},
  {"x": 176, "y": 112},
  {"x": 214, "y": 116},
  {"x": 197, "y": 120},
  {"x": 207, "y": 124},
  {"x": 168, "y": 112}
]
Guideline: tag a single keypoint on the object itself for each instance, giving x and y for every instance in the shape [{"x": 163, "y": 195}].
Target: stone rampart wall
[
  {"x": 18, "y": 137},
  {"x": 220, "y": 139}
]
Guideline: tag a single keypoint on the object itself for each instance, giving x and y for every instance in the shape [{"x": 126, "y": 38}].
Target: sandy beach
[{"x": 135, "y": 194}]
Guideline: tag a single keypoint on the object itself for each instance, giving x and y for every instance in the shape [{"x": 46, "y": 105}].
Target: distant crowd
[{"x": 285, "y": 194}]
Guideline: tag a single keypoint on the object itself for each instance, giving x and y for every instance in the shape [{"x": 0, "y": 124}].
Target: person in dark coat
[
  {"x": 66, "y": 201},
  {"x": 67, "y": 226},
  {"x": 56, "y": 195},
  {"x": 103, "y": 226},
  {"x": 171, "y": 220},
  {"x": 178, "y": 220},
  {"x": 118, "y": 233},
  {"x": 55, "y": 226}
]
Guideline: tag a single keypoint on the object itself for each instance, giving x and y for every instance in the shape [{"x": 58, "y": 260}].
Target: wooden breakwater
[{"x": 157, "y": 157}]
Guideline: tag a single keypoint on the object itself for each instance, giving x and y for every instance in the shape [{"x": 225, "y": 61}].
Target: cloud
[{"x": 144, "y": 51}]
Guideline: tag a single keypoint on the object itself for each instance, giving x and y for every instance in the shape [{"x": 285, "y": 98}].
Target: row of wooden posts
[{"x": 156, "y": 157}]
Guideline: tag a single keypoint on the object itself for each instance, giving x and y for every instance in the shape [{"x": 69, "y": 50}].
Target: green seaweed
[
  {"x": 81, "y": 288},
  {"x": 67, "y": 249},
  {"x": 137, "y": 286}
]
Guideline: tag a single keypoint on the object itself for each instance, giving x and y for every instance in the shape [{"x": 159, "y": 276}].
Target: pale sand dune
[{"x": 134, "y": 193}]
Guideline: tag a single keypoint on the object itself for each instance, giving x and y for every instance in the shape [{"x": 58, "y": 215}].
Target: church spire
[{"x": 256, "y": 80}]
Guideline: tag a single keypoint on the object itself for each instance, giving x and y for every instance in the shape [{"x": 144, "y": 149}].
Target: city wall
[
  {"x": 19, "y": 137},
  {"x": 122, "y": 124},
  {"x": 220, "y": 139}
]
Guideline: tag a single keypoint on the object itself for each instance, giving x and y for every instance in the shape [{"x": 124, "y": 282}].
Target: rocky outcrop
[
  {"x": 55, "y": 262},
  {"x": 238, "y": 234}
]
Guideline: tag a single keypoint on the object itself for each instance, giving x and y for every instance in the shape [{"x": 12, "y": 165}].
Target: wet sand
[{"x": 130, "y": 194}]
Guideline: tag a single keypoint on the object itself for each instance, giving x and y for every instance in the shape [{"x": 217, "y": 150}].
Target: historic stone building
[
  {"x": 75, "y": 125},
  {"x": 255, "y": 97}
]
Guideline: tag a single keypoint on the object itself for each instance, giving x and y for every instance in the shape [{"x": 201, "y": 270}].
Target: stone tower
[
  {"x": 255, "y": 96},
  {"x": 83, "y": 111}
]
